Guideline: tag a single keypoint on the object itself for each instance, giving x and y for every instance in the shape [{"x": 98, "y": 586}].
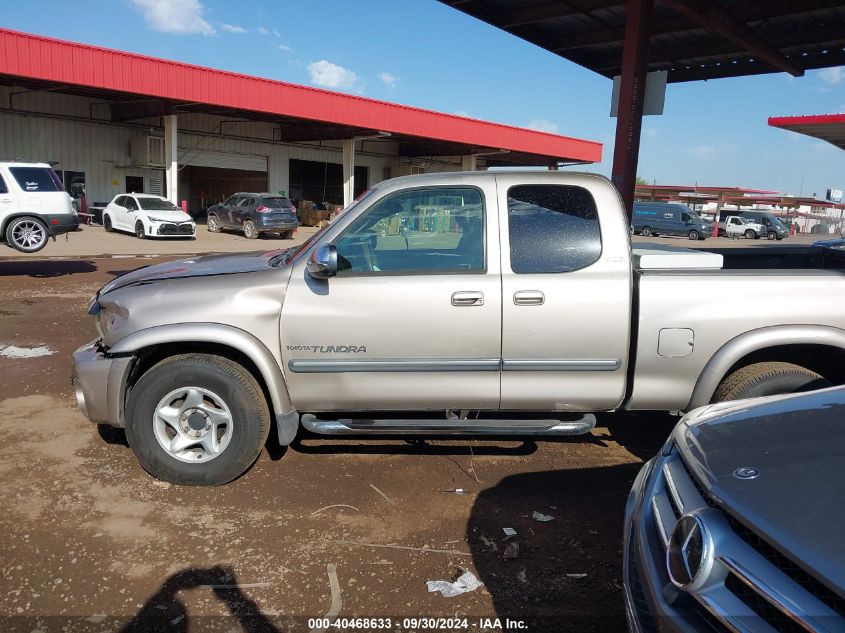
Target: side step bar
[{"x": 349, "y": 426}]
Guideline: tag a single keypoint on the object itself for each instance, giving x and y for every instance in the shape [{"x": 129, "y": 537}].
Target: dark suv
[{"x": 254, "y": 213}]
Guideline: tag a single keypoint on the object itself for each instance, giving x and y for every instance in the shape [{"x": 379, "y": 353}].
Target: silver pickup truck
[{"x": 484, "y": 303}]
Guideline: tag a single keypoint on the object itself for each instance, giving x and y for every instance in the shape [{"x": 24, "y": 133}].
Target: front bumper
[
  {"x": 173, "y": 229},
  {"x": 99, "y": 382},
  {"x": 745, "y": 584}
]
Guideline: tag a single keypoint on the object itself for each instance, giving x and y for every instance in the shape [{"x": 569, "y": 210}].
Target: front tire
[
  {"x": 768, "y": 379},
  {"x": 250, "y": 232},
  {"x": 197, "y": 420},
  {"x": 694, "y": 235},
  {"x": 771, "y": 235},
  {"x": 139, "y": 230},
  {"x": 212, "y": 224},
  {"x": 750, "y": 235},
  {"x": 27, "y": 234}
]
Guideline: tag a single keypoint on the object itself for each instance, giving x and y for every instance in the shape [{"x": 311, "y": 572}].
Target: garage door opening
[
  {"x": 323, "y": 182},
  {"x": 205, "y": 186}
]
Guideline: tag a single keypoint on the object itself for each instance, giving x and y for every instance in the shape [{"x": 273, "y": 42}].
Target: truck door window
[
  {"x": 3, "y": 188},
  {"x": 552, "y": 228},
  {"x": 426, "y": 230}
]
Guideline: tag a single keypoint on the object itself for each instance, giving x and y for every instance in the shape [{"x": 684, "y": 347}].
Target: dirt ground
[{"x": 93, "y": 543}]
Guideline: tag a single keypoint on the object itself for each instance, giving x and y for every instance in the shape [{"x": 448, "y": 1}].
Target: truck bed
[{"x": 754, "y": 288}]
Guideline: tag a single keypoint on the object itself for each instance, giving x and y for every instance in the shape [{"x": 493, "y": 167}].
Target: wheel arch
[
  {"x": 152, "y": 345},
  {"x": 4, "y": 223},
  {"x": 819, "y": 348}
]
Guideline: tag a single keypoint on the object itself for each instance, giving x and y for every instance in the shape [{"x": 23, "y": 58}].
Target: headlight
[
  {"x": 106, "y": 318},
  {"x": 152, "y": 219}
]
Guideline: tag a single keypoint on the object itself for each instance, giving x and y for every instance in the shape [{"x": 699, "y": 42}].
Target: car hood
[
  {"x": 194, "y": 267},
  {"x": 796, "y": 443},
  {"x": 169, "y": 216}
]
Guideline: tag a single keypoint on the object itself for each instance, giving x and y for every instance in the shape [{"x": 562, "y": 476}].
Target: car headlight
[
  {"x": 152, "y": 219},
  {"x": 109, "y": 317}
]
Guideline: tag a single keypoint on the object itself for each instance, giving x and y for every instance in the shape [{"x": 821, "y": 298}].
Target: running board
[{"x": 349, "y": 426}]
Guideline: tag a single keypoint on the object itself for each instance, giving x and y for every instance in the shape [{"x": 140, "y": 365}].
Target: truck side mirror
[{"x": 323, "y": 262}]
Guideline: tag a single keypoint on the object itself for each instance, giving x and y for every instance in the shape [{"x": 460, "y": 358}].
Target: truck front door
[
  {"x": 412, "y": 320},
  {"x": 566, "y": 300}
]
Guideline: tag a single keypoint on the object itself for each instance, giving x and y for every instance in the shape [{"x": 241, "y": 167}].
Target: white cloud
[
  {"x": 285, "y": 48},
  {"x": 276, "y": 33},
  {"x": 650, "y": 132},
  {"x": 329, "y": 75},
  {"x": 542, "y": 125},
  {"x": 388, "y": 79},
  {"x": 832, "y": 76},
  {"x": 263, "y": 30},
  {"x": 181, "y": 17},
  {"x": 232, "y": 28}
]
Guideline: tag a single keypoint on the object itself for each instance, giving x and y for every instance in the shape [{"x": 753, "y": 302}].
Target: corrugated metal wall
[{"x": 47, "y": 126}]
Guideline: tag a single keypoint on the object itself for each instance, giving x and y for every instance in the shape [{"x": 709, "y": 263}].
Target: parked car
[
  {"x": 775, "y": 229},
  {"x": 736, "y": 524},
  {"x": 455, "y": 298},
  {"x": 254, "y": 214},
  {"x": 147, "y": 215},
  {"x": 669, "y": 218},
  {"x": 737, "y": 226},
  {"x": 33, "y": 206}
]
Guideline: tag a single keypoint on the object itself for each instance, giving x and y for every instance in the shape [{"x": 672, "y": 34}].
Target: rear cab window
[
  {"x": 36, "y": 179},
  {"x": 552, "y": 228}
]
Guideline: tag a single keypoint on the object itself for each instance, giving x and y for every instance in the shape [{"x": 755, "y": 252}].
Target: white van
[{"x": 34, "y": 206}]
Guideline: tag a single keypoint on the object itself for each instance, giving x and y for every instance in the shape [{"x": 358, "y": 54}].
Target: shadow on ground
[{"x": 46, "y": 268}]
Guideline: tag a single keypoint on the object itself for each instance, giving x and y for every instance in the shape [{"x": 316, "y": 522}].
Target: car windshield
[
  {"x": 157, "y": 204},
  {"x": 277, "y": 202},
  {"x": 37, "y": 178}
]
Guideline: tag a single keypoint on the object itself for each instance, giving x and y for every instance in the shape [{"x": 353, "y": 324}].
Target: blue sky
[{"x": 421, "y": 53}]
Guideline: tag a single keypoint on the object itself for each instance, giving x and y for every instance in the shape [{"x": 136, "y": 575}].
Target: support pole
[
  {"x": 171, "y": 160},
  {"x": 469, "y": 163},
  {"x": 631, "y": 97},
  {"x": 348, "y": 171}
]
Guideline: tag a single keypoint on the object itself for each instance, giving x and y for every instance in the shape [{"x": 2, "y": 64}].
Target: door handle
[
  {"x": 529, "y": 298},
  {"x": 467, "y": 298}
]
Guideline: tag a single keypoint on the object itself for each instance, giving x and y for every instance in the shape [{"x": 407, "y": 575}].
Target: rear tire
[
  {"x": 645, "y": 231},
  {"x": 27, "y": 234},
  {"x": 750, "y": 235},
  {"x": 250, "y": 232},
  {"x": 286, "y": 235},
  {"x": 220, "y": 386},
  {"x": 768, "y": 379},
  {"x": 107, "y": 227}
]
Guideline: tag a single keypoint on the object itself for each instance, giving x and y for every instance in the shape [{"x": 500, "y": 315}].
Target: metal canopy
[
  {"x": 827, "y": 127},
  {"x": 692, "y": 39}
]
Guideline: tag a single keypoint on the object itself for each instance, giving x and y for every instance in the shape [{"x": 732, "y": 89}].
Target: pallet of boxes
[{"x": 314, "y": 214}]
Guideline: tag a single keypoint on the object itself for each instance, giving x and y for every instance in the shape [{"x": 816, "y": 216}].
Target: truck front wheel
[
  {"x": 197, "y": 419},
  {"x": 768, "y": 379},
  {"x": 750, "y": 235}
]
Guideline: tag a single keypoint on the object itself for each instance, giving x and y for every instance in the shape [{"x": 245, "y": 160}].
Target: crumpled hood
[
  {"x": 169, "y": 216},
  {"x": 797, "y": 444},
  {"x": 194, "y": 267}
]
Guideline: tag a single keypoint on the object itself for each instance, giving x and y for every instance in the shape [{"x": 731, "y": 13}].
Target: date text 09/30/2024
[{"x": 418, "y": 624}]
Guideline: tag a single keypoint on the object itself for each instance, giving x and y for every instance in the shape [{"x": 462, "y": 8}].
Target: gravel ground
[{"x": 93, "y": 543}]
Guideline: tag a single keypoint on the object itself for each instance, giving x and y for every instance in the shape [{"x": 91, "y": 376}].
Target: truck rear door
[{"x": 567, "y": 289}]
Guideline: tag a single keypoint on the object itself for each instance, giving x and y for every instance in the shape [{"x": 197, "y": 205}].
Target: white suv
[
  {"x": 147, "y": 215},
  {"x": 34, "y": 206}
]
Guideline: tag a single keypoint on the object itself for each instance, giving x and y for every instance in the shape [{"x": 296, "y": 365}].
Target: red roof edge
[
  {"x": 807, "y": 119},
  {"x": 70, "y": 63}
]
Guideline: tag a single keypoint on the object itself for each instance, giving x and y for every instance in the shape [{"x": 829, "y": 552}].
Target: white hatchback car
[
  {"x": 147, "y": 215},
  {"x": 34, "y": 206}
]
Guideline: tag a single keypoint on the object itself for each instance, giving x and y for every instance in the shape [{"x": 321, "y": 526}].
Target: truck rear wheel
[
  {"x": 27, "y": 234},
  {"x": 768, "y": 379},
  {"x": 197, "y": 420}
]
